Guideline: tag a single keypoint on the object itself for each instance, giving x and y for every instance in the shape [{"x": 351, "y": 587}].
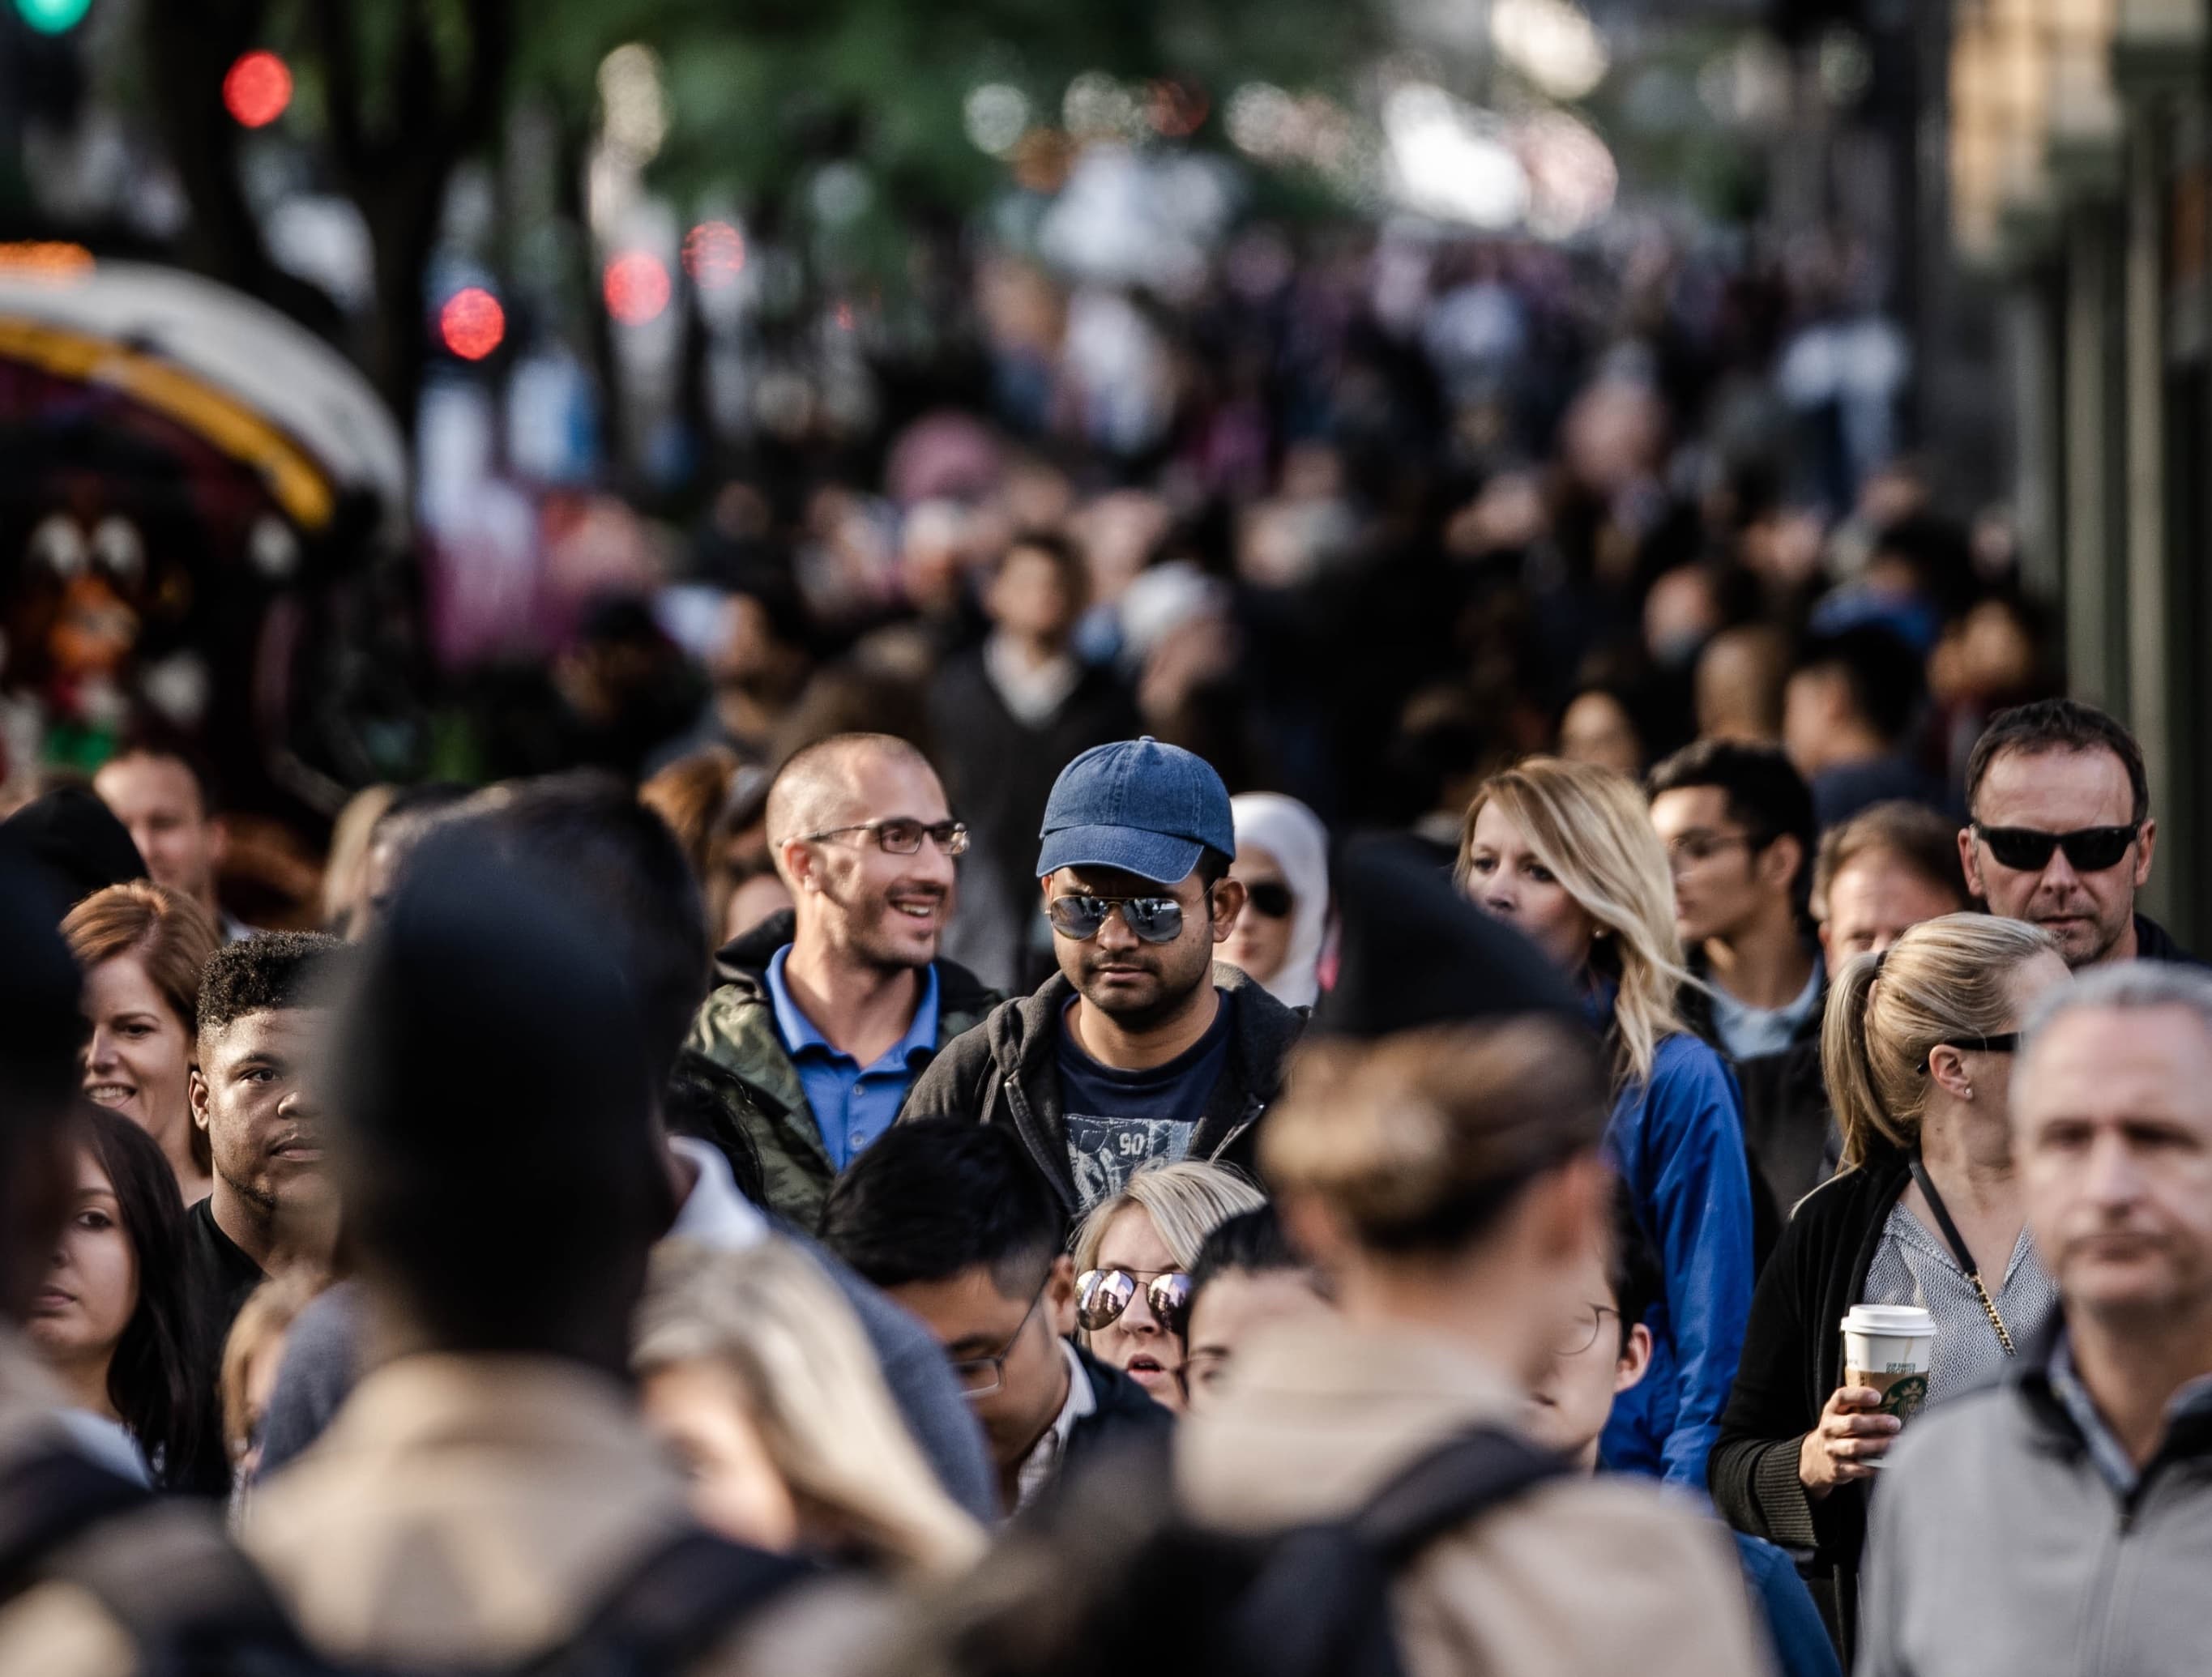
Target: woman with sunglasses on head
[
  {"x": 1566, "y": 853},
  {"x": 1133, "y": 1255},
  {"x": 1917, "y": 1046},
  {"x": 1282, "y": 862}
]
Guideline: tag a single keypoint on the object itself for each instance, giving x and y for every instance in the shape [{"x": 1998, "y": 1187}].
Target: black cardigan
[{"x": 1792, "y": 1363}]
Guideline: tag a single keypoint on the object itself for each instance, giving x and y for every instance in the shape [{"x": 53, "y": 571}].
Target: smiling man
[
  {"x": 828, "y": 1012},
  {"x": 261, "y": 1004},
  {"x": 1141, "y": 1047}
]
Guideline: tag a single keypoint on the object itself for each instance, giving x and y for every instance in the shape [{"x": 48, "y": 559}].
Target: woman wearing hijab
[{"x": 1282, "y": 861}]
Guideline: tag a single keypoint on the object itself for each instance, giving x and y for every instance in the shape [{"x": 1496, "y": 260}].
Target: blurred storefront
[{"x": 2079, "y": 145}]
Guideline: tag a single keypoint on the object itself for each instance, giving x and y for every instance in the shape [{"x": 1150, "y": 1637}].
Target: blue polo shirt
[{"x": 853, "y": 1104}]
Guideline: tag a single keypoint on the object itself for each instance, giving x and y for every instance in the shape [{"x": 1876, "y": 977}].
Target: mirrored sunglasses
[
  {"x": 1155, "y": 919},
  {"x": 1101, "y": 1296}
]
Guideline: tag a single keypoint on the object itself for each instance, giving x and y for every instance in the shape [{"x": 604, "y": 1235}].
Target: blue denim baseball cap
[{"x": 1138, "y": 805}]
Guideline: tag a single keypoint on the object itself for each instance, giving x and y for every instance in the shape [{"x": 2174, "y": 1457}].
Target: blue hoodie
[{"x": 1678, "y": 1143}]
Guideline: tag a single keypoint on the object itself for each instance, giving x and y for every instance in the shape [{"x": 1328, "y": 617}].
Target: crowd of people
[{"x": 1442, "y": 1258}]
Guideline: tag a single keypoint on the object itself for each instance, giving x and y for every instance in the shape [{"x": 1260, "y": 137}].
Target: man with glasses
[
  {"x": 1737, "y": 823},
  {"x": 951, "y": 1220},
  {"x": 2060, "y": 832},
  {"x": 826, "y": 1013},
  {"x": 1141, "y": 1047}
]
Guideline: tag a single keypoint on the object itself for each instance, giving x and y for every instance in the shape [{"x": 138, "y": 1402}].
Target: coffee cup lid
[{"x": 1897, "y": 1321}]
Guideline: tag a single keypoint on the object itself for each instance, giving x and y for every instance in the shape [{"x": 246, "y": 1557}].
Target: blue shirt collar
[{"x": 800, "y": 1033}]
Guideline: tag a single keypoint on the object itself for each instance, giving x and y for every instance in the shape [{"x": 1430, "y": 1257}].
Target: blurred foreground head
[
  {"x": 40, "y": 1031},
  {"x": 494, "y": 1134}
]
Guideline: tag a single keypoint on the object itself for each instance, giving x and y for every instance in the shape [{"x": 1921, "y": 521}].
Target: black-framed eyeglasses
[
  {"x": 1581, "y": 1334},
  {"x": 1102, "y": 1295},
  {"x": 1271, "y": 898},
  {"x": 1155, "y": 919},
  {"x": 980, "y": 1376},
  {"x": 900, "y": 836},
  {"x": 2088, "y": 849},
  {"x": 2002, "y": 1042}
]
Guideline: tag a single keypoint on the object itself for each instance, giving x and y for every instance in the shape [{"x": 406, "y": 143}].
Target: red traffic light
[
  {"x": 257, "y": 88},
  {"x": 473, "y": 323}
]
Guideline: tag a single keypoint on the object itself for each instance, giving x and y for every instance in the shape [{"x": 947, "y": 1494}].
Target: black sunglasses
[
  {"x": 1155, "y": 919},
  {"x": 1271, "y": 898},
  {"x": 2004, "y": 1042},
  {"x": 1102, "y": 1295},
  {"x": 2088, "y": 849}
]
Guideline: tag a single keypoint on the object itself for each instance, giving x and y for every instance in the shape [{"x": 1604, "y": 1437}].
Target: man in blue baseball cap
[{"x": 1141, "y": 1048}]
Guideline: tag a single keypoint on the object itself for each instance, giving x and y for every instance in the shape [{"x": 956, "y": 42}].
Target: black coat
[
  {"x": 1126, "y": 1419},
  {"x": 1792, "y": 1363}
]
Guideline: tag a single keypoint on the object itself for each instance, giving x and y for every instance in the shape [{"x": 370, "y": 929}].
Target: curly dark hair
[
  {"x": 259, "y": 975},
  {"x": 150, "y": 1376}
]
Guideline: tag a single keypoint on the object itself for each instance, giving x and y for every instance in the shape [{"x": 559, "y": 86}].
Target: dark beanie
[
  {"x": 1413, "y": 952},
  {"x": 76, "y": 844}
]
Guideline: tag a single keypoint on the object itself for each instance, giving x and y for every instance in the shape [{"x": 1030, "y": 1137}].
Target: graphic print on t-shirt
[{"x": 1105, "y": 1152}]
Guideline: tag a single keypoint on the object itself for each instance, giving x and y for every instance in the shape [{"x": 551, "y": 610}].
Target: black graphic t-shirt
[{"x": 1117, "y": 1120}]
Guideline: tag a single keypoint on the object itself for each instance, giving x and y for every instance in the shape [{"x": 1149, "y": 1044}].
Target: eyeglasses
[
  {"x": 2088, "y": 849},
  {"x": 1694, "y": 848},
  {"x": 980, "y": 1376},
  {"x": 902, "y": 836},
  {"x": 1102, "y": 1295},
  {"x": 1270, "y": 897},
  {"x": 2004, "y": 1042},
  {"x": 1581, "y": 1334},
  {"x": 1155, "y": 919}
]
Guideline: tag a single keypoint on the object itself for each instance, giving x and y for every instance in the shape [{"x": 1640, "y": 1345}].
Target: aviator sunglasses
[
  {"x": 1102, "y": 1295},
  {"x": 1155, "y": 919},
  {"x": 2027, "y": 849}
]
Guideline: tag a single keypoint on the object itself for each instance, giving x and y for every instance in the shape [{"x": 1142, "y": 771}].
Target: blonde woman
[
  {"x": 1133, "y": 1256},
  {"x": 755, "y": 1372},
  {"x": 1917, "y": 1044},
  {"x": 1565, "y": 852}
]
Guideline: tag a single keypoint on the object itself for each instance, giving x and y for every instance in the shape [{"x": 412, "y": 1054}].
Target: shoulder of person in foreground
[
  {"x": 841, "y": 1626},
  {"x": 60, "y": 1629},
  {"x": 319, "y": 1367},
  {"x": 1607, "y": 1574}
]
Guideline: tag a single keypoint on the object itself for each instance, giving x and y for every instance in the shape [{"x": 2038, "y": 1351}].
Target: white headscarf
[{"x": 1292, "y": 834}]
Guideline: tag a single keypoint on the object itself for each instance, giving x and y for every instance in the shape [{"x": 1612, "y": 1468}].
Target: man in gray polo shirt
[{"x": 2061, "y": 1521}]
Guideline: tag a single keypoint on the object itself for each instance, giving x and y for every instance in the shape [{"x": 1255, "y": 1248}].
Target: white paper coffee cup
[{"x": 1890, "y": 1348}]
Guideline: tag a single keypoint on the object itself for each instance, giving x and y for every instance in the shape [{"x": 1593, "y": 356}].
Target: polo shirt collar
[{"x": 800, "y": 1033}]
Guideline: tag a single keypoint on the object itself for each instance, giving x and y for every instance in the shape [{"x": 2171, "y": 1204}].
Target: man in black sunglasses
[
  {"x": 1141, "y": 1047},
  {"x": 2060, "y": 832}
]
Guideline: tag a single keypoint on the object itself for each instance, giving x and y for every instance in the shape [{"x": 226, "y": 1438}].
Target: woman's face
[
  {"x": 1505, "y": 879},
  {"x": 91, "y": 1288},
  {"x": 1136, "y": 1342},
  {"x": 139, "y": 1056},
  {"x": 699, "y": 1409},
  {"x": 1261, "y": 939}
]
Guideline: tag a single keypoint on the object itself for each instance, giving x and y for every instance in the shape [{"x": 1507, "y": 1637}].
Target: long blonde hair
[
  {"x": 1946, "y": 979},
  {"x": 1590, "y": 827},
  {"x": 770, "y": 1316}
]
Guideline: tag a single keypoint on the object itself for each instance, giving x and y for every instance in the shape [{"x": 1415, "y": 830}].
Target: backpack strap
[
  {"x": 1460, "y": 1480},
  {"x": 47, "y": 1496},
  {"x": 674, "y": 1605}
]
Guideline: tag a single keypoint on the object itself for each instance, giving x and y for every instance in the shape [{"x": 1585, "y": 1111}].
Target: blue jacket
[
  {"x": 1678, "y": 1143},
  {"x": 1802, "y": 1648}
]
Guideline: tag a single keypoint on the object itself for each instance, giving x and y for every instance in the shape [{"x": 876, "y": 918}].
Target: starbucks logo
[{"x": 1904, "y": 1399}]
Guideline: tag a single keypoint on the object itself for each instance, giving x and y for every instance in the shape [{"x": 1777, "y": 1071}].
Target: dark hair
[
  {"x": 1251, "y": 1242},
  {"x": 271, "y": 971},
  {"x": 1075, "y": 574},
  {"x": 1922, "y": 839},
  {"x": 156, "y": 741},
  {"x": 1631, "y": 1265},
  {"x": 625, "y": 869},
  {"x": 1213, "y": 866},
  {"x": 1766, "y": 794},
  {"x": 150, "y": 1378},
  {"x": 1885, "y": 675},
  {"x": 2058, "y": 725},
  {"x": 941, "y": 1195}
]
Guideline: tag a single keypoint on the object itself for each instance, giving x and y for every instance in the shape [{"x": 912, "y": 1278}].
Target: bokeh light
[
  {"x": 996, "y": 116},
  {"x": 713, "y": 255},
  {"x": 1552, "y": 43},
  {"x": 473, "y": 323},
  {"x": 53, "y": 17},
  {"x": 257, "y": 88},
  {"x": 633, "y": 102},
  {"x": 637, "y": 287}
]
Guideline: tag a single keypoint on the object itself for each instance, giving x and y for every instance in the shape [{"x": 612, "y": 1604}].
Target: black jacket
[
  {"x": 1006, "y": 1071},
  {"x": 1787, "y": 1129},
  {"x": 2154, "y": 943},
  {"x": 1792, "y": 1363},
  {"x": 1126, "y": 1419}
]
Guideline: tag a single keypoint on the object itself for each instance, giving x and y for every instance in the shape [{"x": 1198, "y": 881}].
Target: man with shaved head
[{"x": 827, "y": 1013}]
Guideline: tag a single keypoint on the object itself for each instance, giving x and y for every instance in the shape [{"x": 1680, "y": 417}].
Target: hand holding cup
[{"x": 1847, "y": 1442}]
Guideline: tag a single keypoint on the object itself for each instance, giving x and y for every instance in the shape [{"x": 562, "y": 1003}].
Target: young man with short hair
[
  {"x": 2059, "y": 1523},
  {"x": 1737, "y": 823},
  {"x": 2059, "y": 831},
  {"x": 1141, "y": 1047},
  {"x": 828, "y": 1013},
  {"x": 1248, "y": 1279},
  {"x": 163, "y": 799},
  {"x": 1847, "y": 712},
  {"x": 950, "y": 1218},
  {"x": 1879, "y": 874}
]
